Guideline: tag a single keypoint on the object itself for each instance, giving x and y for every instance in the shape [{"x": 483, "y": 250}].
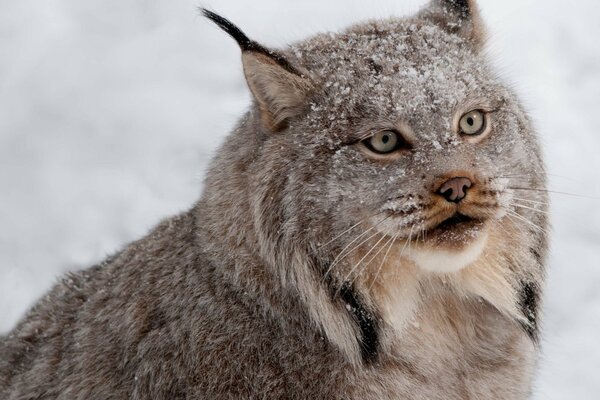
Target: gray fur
[{"x": 245, "y": 295}]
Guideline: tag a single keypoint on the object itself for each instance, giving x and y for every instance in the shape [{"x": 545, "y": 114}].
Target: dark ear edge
[
  {"x": 245, "y": 43},
  {"x": 458, "y": 16},
  {"x": 461, "y": 7},
  {"x": 279, "y": 88}
]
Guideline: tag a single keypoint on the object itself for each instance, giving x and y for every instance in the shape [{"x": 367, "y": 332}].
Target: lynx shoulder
[{"x": 373, "y": 228}]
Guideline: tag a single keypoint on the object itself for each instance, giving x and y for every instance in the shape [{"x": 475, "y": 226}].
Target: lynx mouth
[
  {"x": 455, "y": 221},
  {"x": 456, "y": 230},
  {"x": 451, "y": 245}
]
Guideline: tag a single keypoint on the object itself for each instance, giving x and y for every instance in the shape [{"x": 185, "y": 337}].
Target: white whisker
[
  {"x": 345, "y": 252},
  {"x": 409, "y": 238},
  {"x": 554, "y": 192},
  {"x": 389, "y": 245},
  {"x": 530, "y": 208},
  {"x": 523, "y": 219},
  {"x": 531, "y": 201},
  {"x": 335, "y": 260},
  {"x": 364, "y": 258},
  {"x": 343, "y": 233}
]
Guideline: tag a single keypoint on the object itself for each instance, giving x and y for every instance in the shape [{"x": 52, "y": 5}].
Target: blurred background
[{"x": 110, "y": 111}]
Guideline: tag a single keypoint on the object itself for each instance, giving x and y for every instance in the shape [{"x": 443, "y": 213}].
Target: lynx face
[
  {"x": 416, "y": 86},
  {"x": 392, "y": 145}
]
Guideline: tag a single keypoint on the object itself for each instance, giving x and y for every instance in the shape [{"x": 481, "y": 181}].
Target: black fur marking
[
  {"x": 376, "y": 68},
  {"x": 369, "y": 341},
  {"x": 462, "y": 7},
  {"x": 529, "y": 304},
  {"x": 245, "y": 43},
  {"x": 537, "y": 255}
]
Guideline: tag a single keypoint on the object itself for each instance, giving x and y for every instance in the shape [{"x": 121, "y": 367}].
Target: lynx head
[{"x": 386, "y": 147}]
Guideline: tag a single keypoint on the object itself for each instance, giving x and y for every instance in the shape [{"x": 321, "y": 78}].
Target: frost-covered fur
[{"x": 312, "y": 268}]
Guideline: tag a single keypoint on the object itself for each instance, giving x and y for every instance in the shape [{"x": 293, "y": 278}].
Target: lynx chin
[{"x": 373, "y": 228}]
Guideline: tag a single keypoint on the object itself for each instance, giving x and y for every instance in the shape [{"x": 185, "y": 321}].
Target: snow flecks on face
[
  {"x": 415, "y": 78},
  {"x": 403, "y": 205},
  {"x": 391, "y": 72}
]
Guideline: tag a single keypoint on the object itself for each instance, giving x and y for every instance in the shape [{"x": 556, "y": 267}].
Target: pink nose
[{"x": 455, "y": 189}]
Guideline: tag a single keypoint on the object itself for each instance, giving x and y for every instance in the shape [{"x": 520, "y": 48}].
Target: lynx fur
[{"x": 315, "y": 266}]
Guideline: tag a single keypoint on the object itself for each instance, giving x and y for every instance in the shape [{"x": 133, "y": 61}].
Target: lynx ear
[
  {"x": 458, "y": 16},
  {"x": 280, "y": 89},
  {"x": 281, "y": 93}
]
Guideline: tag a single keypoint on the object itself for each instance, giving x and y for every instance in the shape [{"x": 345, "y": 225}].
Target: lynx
[{"x": 373, "y": 228}]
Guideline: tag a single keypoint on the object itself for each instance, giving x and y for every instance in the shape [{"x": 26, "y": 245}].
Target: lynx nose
[{"x": 455, "y": 189}]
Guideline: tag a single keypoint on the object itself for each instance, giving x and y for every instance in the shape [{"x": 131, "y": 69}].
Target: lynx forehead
[
  {"x": 396, "y": 70},
  {"x": 374, "y": 228}
]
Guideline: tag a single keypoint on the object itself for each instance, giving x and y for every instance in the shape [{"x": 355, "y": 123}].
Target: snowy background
[{"x": 111, "y": 109}]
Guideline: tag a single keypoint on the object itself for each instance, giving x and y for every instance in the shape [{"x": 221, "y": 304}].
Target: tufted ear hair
[
  {"x": 280, "y": 89},
  {"x": 461, "y": 17}
]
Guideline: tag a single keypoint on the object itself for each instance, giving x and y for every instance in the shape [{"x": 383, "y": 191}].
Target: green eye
[
  {"x": 473, "y": 123},
  {"x": 383, "y": 142}
]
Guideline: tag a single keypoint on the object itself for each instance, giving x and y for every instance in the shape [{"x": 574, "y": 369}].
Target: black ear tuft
[
  {"x": 279, "y": 88},
  {"x": 461, "y": 7},
  {"x": 236, "y": 33},
  {"x": 245, "y": 43}
]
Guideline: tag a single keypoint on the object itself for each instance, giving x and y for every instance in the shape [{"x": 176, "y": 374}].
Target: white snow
[{"x": 110, "y": 111}]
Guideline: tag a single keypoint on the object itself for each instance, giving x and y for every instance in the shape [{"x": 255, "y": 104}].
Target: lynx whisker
[
  {"x": 345, "y": 252},
  {"x": 555, "y": 192},
  {"x": 527, "y": 221},
  {"x": 383, "y": 237},
  {"x": 407, "y": 243},
  {"x": 409, "y": 238},
  {"x": 337, "y": 258},
  {"x": 389, "y": 244},
  {"x": 513, "y": 176},
  {"x": 348, "y": 230},
  {"x": 542, "y": 203},
  {"x": 536, "y": 175},
  {"x": 498, "y": 224},
  {"x": 514, "y": 204}
]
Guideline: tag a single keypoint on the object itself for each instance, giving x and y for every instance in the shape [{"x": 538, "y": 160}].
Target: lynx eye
[
  {"x": 383, "y": 142},
  {"x": 473, "y": 123}
]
